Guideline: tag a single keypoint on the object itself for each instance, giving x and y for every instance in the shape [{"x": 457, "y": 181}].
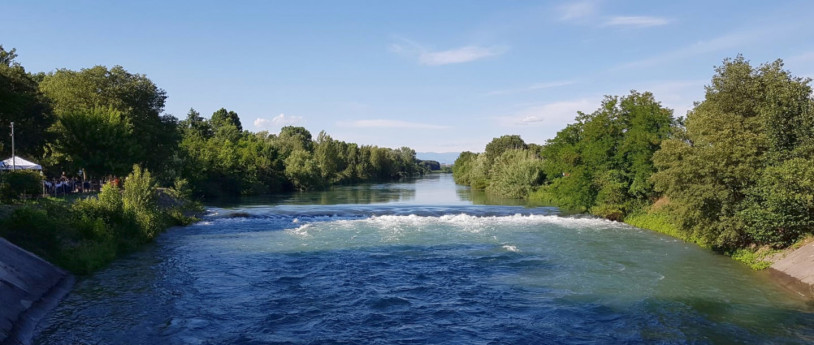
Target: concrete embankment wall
[
  {"x": 29, "y": 288},
  {"x": 796, "y": 270}
]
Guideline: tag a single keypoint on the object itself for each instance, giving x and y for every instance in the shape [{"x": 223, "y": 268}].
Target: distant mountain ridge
[{"x": 441, "y": 157}]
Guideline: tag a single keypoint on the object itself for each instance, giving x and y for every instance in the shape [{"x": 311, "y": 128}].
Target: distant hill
[{"x": 441, "y": 157}]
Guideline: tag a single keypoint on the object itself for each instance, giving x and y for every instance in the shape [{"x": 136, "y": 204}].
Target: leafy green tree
[
  {"x": 99, "y": 140},
  {"x": 138, "y": 99},
  {"x": 497, "y": 146},
  {"x": 715, "y": 172},
  {"x": 462, "y": 167},
  {"x": 194, "y": 124},
  {"x": 222, "y": 118},
  {"x": 603, "y": 162},
  {"x": 295, "y": 138},
  {"x": 22, "y": 103},
  {"x": 303, "y": 171}
]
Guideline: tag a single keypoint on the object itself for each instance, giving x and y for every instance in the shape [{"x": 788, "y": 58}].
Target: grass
[{"x": 658, "y": 221}]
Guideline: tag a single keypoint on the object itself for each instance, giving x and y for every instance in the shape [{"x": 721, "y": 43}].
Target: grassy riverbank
[{"x": 85, "y": 235}]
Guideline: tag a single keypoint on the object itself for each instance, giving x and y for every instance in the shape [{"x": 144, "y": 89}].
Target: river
[{"x": 422, "y": 261}]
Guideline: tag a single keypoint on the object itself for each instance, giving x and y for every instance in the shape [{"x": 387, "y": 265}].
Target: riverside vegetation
[
  {"x": 735, "y": 175},
  {"x": 108, "y": 122}
]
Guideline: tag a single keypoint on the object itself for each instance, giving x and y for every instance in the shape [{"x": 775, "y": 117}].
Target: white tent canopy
[{"x": 21, "y": 164}]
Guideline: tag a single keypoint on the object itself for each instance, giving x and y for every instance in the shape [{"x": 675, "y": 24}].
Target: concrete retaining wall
[
  {"x": 29, "y": 288},
  {"x": 796, "y": 270}
]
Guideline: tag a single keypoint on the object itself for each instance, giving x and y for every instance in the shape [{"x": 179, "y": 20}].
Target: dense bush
[
  {"x": 85, "y": 235},
  {"x": 19, "y": 183},
  {"x": 515, "y": 174}
]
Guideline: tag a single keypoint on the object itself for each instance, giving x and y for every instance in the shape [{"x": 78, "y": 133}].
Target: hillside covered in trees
[{"x": 737, "y": 171}]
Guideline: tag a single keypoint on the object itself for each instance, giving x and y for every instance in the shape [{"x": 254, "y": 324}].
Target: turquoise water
[{"x": 418, "y": 262}]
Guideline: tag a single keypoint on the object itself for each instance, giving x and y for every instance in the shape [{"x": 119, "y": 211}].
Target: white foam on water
[
  {"x": 510, "y": 248},
  {"x": 435, "y": 230}
]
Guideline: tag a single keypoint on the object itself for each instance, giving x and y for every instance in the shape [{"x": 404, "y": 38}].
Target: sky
[{"x": 436, "y": 76}]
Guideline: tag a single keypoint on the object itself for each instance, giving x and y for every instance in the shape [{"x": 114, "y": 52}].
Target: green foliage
[
  {"x": 224, "y": 118},
  {"x": 139, "y": 101},
  {"x": 21, "y": 103},
  {"x": 497, "y": 146},
  {"x": 756, "y": 259},
  {"x": 303, "y": 170},
  {"x": 139, "y": 200},
  {"x": 430, "y": 165},
  {"x": 602, "y": 163},
  {"x": 659, "y": 221},
  {"x": 462, "y": 168},
  {"x": 727, "y": 173},
  {"x": 780, "y": 207},
  {"x": 516, "y": 173},
  {"x": 89, "y": 233},
  {"x": 99, "y": 140},
  {"x": 16, "y": 184}
]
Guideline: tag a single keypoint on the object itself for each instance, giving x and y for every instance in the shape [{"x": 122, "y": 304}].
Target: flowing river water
[{"x": 423, "y": 261}]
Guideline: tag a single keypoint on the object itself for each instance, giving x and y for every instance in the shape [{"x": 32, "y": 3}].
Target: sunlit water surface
[{"x": 417, "y": 262}]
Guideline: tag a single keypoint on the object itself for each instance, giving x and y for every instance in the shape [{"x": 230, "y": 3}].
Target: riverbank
[
  {"x": 792, "y": 267},
  {"x": 85, "y": 235}
]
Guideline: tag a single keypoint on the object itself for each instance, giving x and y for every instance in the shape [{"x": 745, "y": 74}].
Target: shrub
[{"x": 14, "y": 184}]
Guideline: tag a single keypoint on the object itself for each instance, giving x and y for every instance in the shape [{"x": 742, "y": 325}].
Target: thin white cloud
[
  {"x": 551, "y": 114},
  {"x": 636, "y": 21},
  {"x": 804, "y": 57},
  {"x": 383, "y": 123},
  {"x": 277, "y": 121},
  {"x": 578, "y": 10},
  {"x": 725, "y": 42},
  {"x": 459, "y": 55},
  {"x": 532, "y": 87},
  {"x": 445, "y": 57}
]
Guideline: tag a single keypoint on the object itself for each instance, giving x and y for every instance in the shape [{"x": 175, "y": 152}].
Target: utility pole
[{"x": 13, "y": 159}]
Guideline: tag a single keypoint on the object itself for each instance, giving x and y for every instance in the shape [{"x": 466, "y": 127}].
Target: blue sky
[{"x": 436, "y": 76}]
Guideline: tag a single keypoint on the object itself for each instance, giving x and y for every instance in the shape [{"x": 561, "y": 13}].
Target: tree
[
  {"x": 497, "y": 146},
  {"x": 138, "y": 99},
  {"x": 99, "y": 140},
  {"x": 721, "y": 174},
  {"x": 602, "y": 163},
  {"x": 222, "y": 118},
  {"x": 194, "y": 124},
  {"x": 21, "y": 102},
  {"x": 295, "y": 138}
]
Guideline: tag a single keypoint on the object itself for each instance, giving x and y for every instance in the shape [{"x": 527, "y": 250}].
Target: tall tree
[
  {"x": 222, "y": 118},
  {"x": 99, "y": 140},
  {"x": 138, "y": 99},
  {"x": 22, "y": 103},
  {"x": 722, "y": 174}
]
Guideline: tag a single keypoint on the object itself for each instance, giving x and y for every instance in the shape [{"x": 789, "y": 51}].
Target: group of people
[{"x": 69, "y": 185}]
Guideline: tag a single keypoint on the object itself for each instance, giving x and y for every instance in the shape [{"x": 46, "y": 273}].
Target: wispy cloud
[
  {"x": 277, "y": 121},
  {"x": 459, "y": 55},
  {"x": 551, "y": 114},
  {"x": 588, "y": 12},
  {"x": 804, "y": 57},
  {"x": 578, "y": 10},
  {"x": 533, "y": 87},
  {"x": 384, "y": 123},
  {"x": 725, "y": 42},
  {"x": 636, "y": 21},
  {"x": 445, "y": 57}
]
